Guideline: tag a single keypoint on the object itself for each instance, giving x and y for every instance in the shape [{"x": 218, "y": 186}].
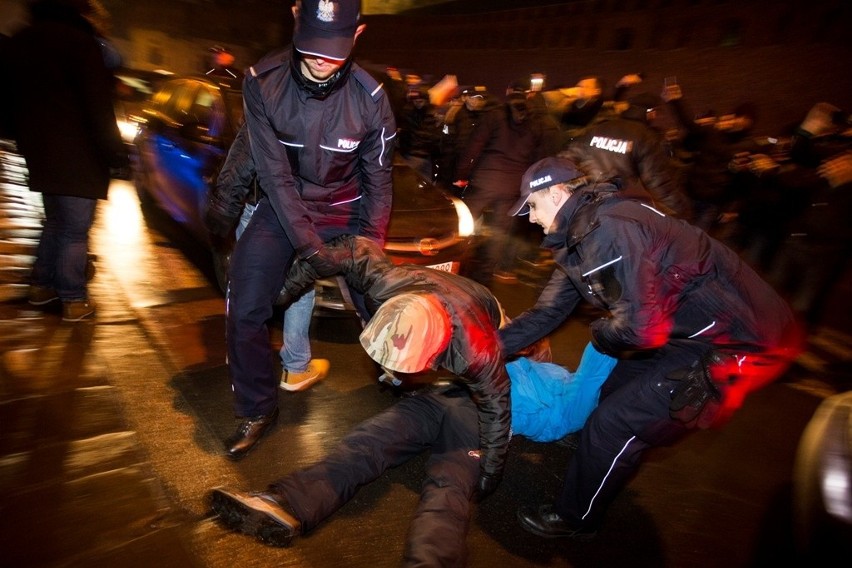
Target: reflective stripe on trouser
[{"x": 631, "y": 419}]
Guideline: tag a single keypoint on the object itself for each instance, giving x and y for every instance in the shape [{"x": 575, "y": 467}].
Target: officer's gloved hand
[
  {"x": 324, "y": 262},
  {"x": 486, "y": 485},
  {"x": 289, "y": 293},
  {"x": 219, "y": 225}
]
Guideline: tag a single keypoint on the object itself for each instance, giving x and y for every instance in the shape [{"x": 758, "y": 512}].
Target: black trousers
[
  {"x": 259, "y": 264},
  {"x": 632, "y": 416},
  {"x": 445, "y": 421}
]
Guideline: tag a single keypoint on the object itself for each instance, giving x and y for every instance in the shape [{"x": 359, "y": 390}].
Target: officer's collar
[
  {"x": 571, "y": 222},
  {"x": 562, "y": 221},
  {"x": 314, "y": 89}
]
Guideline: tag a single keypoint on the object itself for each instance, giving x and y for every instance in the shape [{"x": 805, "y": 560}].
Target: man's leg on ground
[
  {"x": 437, "y": 534},
  {"x": 381, "y": 442}
]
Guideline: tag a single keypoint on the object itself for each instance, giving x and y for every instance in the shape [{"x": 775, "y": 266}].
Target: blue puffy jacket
[{"x": 549, "y": 401}]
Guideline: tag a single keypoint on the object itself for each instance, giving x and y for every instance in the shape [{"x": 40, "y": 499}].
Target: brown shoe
[
  {"x": 41, "y": 295},
  {"x": 316, "y": 371},
  {"x": 256, "y": 514},
  {"x": 77, "y": 310}
]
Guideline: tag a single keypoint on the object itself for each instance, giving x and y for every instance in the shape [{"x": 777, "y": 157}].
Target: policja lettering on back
[{"x": 611, "y": 144}]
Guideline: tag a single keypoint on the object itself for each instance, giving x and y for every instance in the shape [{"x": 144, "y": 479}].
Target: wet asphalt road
[{"x": 114, "y": 427}]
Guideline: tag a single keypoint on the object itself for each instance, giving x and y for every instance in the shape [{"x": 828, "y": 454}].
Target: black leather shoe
[
  {"x": 248, "y": 433},
  {"x": 255, "y": 514},
  {"x": 544, "y": 521}
]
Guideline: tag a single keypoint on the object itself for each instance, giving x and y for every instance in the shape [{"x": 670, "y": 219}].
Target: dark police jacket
[
  {"x": 474, "y": 353},
  {"x": 499, "y": 144},
  {"x": 629, "y": 149},
  {"x": 320, "y": 157},
  {"x": 659, "y": 279}
]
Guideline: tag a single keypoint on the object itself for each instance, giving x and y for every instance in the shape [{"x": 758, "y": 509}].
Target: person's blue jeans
[
  {"x": 259, "y": 265},
  {"x": 295, "y": 351},
  {"x": 63, "y": 250}
]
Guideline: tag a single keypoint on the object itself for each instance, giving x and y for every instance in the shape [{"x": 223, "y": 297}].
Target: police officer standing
[{"x": 321, "y": 132}]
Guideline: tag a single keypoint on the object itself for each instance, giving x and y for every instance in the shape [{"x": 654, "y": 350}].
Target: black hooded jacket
[{"x": 626, "y": 147}]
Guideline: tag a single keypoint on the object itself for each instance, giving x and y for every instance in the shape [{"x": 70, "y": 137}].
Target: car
[
  {"x": 822, "y": 483},
  {"x": 185, "y": 130},
  {"x": 132, "y": 88}
]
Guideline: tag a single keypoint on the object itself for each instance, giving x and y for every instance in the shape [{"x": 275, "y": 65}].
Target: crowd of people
[
  {"x": 773, "y": 199},
  {"x": 705, "y": 254}
]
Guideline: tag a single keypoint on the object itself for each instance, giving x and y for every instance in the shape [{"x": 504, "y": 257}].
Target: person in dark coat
[
  {"x": 462, "y": 116},
  {"x": 419, "y": 132},
  {"x": 694, "y": 328},
  {"x": 548, "y": 402},
  {"x": 471, "y": 352},
  {"x": 817, "y": 180},
  {"x": 444, "y": 321},
  {"x": 504, "y": 143},
  {"x": 62, "y": 117},
  {"x": 231, "y": 205},
  {"x": 710, "y": 182}
]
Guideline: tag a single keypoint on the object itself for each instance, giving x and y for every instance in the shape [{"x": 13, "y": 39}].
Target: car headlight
[
  {"x": 824, "y": 459},
  {"x": 128, "y": 130},
  {"x": 466, "y": 225}
]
